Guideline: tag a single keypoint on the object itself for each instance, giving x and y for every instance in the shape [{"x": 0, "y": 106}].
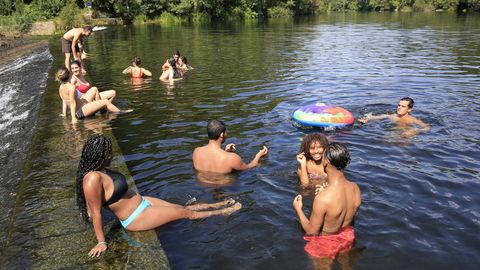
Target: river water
[{"x": 420, "y": 203}]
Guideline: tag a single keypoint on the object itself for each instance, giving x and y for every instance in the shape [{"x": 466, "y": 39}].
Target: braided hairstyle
[{"x": 95, "y": 153}]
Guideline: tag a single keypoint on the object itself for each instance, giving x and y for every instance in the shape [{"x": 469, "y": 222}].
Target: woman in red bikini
[
  {"x": 79, "y": 108},
  {"x": 84, "y": 90},
  {"x": 136, "y": 70}
]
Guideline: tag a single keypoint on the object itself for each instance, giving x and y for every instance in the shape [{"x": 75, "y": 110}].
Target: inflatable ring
[{"x": 325, "y": 116}]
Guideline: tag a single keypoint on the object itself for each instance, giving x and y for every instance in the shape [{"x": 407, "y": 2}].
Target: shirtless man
[
  {"x": 403, "y": 117},
  {"x": 175, "y": 56},
  {"x": 72, "y": 44},
  {"x": 212, "y": 158},
  {"x": 334, "y": 208}
]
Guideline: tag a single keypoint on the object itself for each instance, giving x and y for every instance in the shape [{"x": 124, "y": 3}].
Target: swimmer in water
[
  {"x": 171, "y": 72},
  {"x": 403, "y": 117},
  {"x": 136, "y": 70},
  {"x": 212, "y": 158},
  {"x": 98, "y": 187},
  {"x": 329, "y": 229},
  {"x": 310, "y": 169}
]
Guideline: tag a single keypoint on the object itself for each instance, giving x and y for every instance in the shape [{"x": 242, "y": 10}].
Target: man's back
[
  {"x": 211, "y": 159},
  {"x": 341, "y": 201}
]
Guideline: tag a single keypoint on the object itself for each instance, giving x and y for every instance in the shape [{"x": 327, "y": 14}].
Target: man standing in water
[
  {"x": 72, "y": 44},
  {"x": 212, "y": 158},
  {"x": 403, "y": 116},
  {"x": 334, "y": 208}
]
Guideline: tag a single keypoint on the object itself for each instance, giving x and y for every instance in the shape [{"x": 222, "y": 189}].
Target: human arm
[
  {"x": 93, "y": 191},
  {"x": 71, "y": 101},
  {"x": 146, "y": 72},
  {"x": 75, "y": 42},
  {"x": 310, "y": 226},
  {"x": 127, "y": 70},
  {"x": 236, "y": 162},
  {"x": 64, "y": 108},
  {"x": 423, "y": 126},
  {"x": 367, "y": 118},
  {"x": 302, "y": 169}
]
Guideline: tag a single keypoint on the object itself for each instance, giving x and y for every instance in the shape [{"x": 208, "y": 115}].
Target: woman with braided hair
[{"x": 98, "y": 186}]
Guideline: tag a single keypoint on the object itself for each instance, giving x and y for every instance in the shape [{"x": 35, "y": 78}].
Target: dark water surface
[{"x": 420, "y": 194}]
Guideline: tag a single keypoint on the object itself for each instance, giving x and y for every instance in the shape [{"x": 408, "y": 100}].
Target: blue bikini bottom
[{"x": 144, "y": 204}]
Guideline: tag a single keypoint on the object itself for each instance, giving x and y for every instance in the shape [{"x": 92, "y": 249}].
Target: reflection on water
[{"x": 419, "y": 192}]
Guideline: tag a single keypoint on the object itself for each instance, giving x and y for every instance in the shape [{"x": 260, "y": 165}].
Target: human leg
[
  {"x": 92, "y": 94},
  {"x": 195, "y": 207},
  {"x": 67, "y": 60},
  {"x": 109, "y": 94},
  {"x": 94, "y": 106},
  {"x": 155, "y": 216}
]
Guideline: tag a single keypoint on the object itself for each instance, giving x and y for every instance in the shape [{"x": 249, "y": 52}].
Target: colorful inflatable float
[{"x": 324, "y": 116}]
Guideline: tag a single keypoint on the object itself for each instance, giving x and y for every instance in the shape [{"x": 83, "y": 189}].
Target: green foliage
[
  {"x": 201, "y": 17},
  {"x": 450, "y": 5},
  {"x": 169, "y": 18},
  {"x": 70, "y": 16},
  {"x": 47, "y": 9},
  {"x": 19, "y": 21},
  {"x": 125, "y": 9},
  {"x": 6, "y": 7},
  {"x": 140, "y": 19},
  {"x": 279, "y": 12},
  {"x": 153, "y": 8}
]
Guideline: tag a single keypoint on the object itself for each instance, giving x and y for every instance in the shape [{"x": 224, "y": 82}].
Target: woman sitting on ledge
[
  {"x": 84, "y": 90},
  {"x": 99, "y": 187},
  {"x": 79, "y": 108}
]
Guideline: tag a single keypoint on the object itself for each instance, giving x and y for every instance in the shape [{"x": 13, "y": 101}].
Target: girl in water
[
  {"x": 136, "y": 70},
  {"x": 310, "y": 169},
  {"x": 98, "y": 186},
  {"x": 170, "y": 71},
  {"x": 83, "y": 89},
  {"x": 183, "y": 65},
  {"x": 79, "y": 108}
]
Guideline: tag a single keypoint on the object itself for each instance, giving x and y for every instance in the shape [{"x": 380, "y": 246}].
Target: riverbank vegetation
[{"x": 19, "y": 15}]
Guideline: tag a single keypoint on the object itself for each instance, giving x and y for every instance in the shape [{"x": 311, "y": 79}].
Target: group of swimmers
[{"x": 321, "y": 164}]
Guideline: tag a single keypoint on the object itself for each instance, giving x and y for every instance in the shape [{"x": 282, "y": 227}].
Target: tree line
[{"x": 27, "y": 11}]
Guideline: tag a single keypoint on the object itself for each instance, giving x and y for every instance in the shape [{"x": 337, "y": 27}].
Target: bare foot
[{"x": 203, "y": 206}]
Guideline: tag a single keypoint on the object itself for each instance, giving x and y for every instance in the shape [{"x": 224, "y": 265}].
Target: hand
[
  {"x": 302, "y": 159},
  {"x": 262, "y": 152},
  {"x": 320, "y": 188},
  {"x": 230, "y": 147},
  {"x": 84, "y": 55},
  {"x": 363, "y": 120},
  {"x": 297, "y": 202},
  {"x": 98, "y": 249}
]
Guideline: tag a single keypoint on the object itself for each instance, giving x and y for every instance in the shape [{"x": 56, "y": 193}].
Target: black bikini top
[{"x": 120, "y": 186}]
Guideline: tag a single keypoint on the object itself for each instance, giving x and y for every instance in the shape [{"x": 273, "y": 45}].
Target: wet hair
[
  {"x": 184, "y": 60},
  {"x": 76, "y": 62},
  {"x": 215, "y": 128},
  {"x": 96, "y": 151},
  {"x": 338, "y": 155},
  {"x": 62, "y": 75},
  {"x": 176, "y": 52},
  {"x": 410, "y": 101},
  {"x": 172, "y": 63},
  {"x": 137, "y": 60},
  {"x": 88, "y": 28},
  {"x": 311, "y": 138}
]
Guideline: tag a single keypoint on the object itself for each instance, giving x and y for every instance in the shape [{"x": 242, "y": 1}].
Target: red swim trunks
[{"x": 330, "y": 245}]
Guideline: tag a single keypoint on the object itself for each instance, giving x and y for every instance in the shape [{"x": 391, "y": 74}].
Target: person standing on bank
[{"x": 72, "y": 43}]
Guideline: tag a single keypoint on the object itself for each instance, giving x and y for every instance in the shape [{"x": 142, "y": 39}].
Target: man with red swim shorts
[{"x": 334, "y": 208}]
